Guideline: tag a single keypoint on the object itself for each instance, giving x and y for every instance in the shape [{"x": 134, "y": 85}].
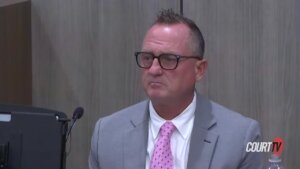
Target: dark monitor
[{"x": 32, "y": 138}]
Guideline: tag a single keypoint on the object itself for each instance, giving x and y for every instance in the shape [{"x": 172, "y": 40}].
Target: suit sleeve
[
  {"x": 93, "y": 157},
  {"x": 252, "y": 160}
]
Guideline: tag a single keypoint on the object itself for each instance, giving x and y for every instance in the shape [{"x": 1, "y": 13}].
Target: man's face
[{"x": 169, "y": 85}]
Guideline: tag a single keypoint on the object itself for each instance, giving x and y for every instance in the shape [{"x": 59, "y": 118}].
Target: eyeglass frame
[{"x": 178, "y": 57}]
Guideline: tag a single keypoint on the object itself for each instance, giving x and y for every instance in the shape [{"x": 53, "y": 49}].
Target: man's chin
[{"x": 156, "y": 95}]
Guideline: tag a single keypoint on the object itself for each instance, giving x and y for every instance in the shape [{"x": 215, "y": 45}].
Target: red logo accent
[{"x": 277, "y": 146}]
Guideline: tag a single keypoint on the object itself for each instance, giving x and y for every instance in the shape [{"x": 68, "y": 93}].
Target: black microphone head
[{"x": 78, "y": 112}]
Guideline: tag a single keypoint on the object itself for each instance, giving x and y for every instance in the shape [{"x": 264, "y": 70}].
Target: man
[{"x": 176, "y": 128}]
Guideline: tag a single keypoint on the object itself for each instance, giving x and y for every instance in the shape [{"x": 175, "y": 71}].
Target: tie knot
[{"x": 167, "y": 129}]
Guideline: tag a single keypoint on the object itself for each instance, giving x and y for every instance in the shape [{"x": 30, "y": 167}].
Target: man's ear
[{"x": 200, "y": 69}]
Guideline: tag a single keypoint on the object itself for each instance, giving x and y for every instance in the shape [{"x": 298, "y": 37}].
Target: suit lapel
[
  {"x": 135, "y": 140},
  {"x": 203, "y": 141}
]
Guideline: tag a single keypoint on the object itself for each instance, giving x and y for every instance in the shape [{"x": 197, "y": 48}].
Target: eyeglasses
[{"x": 165, "y": 60}]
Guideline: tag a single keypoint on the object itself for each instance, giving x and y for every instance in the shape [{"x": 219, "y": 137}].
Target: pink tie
[{"x": 162, "y": 156}]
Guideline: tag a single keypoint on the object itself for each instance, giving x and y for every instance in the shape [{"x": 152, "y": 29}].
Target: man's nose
[{"x": 155, "y": 68}]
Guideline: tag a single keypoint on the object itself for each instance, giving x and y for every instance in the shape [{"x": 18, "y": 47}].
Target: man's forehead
[
  {"x": 169, "y": 28},
  {"x": 173, "y": 32},
  {"x": 164, "y": 38}
]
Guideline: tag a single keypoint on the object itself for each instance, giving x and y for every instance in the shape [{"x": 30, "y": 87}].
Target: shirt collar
[{"x": 181, "y": 121}]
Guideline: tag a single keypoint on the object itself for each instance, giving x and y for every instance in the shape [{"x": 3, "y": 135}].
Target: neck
[{"x": 172, "y": 109}]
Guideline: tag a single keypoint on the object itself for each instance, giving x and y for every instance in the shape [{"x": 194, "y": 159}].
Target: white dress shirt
[{"x": 180, "y": 139}]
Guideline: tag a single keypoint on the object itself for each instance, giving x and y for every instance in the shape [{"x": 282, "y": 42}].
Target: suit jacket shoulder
[
  {"x": 119, "y": 139},
  {"x": 234, "y": 132},
  {"x": 229, "y": 121},
  {"x": 134, "y": 114}
]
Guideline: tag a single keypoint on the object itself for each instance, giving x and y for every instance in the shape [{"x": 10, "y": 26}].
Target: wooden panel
[
  {"x": 253, "y": 53},
  {"x": 15, "y": 53},
  {"x": 4, "y": 3},
  {"x": 83, "y": 55}
]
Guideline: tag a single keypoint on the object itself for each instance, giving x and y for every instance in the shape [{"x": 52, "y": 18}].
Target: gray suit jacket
[{"x": 218, "y": 140}]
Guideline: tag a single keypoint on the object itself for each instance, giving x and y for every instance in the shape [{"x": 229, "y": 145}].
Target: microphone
[{"x": 77, "y": 114}]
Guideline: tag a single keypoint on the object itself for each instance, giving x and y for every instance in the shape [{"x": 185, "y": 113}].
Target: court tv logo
[{"x": 276, "y": 146}]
